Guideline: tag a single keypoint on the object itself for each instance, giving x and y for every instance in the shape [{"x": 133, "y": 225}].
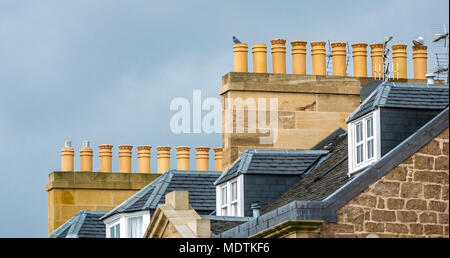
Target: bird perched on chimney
[
  {"x": 236, "y": 40},
  {"x": 419, "y": 41}
]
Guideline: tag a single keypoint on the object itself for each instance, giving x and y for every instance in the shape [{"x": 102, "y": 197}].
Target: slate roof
[
  {"x": 200, "y": 184},
  {"x": 273, "y": 162},
  {"x": 403, "y": 95},
  {"x": 325, "y": 189},
  {"x": 220, "y": 224},
  {"x": 319, "y": 183},
  {"x": 85, "y": 224}
]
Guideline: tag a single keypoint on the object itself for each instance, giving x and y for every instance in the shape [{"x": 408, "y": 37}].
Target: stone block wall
[{"x": 410, "y": 201}]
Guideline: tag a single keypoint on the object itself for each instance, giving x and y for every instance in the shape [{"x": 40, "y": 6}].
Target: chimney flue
[
  {"x": 298, "y": 57},
  {"x": 399, "y": 57},
  {"x": 359, "y": 59},
  {"x": 318, "y": 57},
  {"x": 256, "y": 209},
  {"x": 259, "y": 58},
  {"x": 240, "y": 57},
  {"x": 202, "y": 156},
  {"x": 183, "y": 157},
  {"x": 218, "y": 159},
  {"x": 143, "y": 155},
  {"x": 67, "y": 154},
  {"x": 278, "y": 55},
  {"x": 430, "y": 78},
  {"x": 86, "y": 154},
  {"x": 163, "y": 157},
  {"x": 420, "y": 61},
  {"x": 376, "y": 55},
  {"x": 125, "y": 158},
  {"x": 105, "y": 156},
  {"x": 339, "y": 56}
]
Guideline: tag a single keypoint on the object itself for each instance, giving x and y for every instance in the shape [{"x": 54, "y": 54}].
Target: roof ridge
[
  {"x": 152, "y": 200},
  {"x": 76, "y": 224}
]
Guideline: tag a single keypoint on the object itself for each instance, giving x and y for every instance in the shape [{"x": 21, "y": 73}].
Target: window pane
[
  {"x": 224, "y": 195},
  {"x": 234, "y": 191},
  {"x": 234, "y": 209},
  {"x": 370, "y": 149},
  {"x": 117, "y": 229},
  {"x": 369, "y": 127},
  {"x": 359, "y": 132},
  {"x": 111, "y": 232},
  {"x": 224, "y": 212},
  {"x": 135, "y": 227},
  {"x": 359, "y": 153}
]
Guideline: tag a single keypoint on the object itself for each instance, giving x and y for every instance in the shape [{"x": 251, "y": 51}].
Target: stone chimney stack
[
  {"x": 259, "y": 58},
  {"x": 183, "y": 157},
  {"x": 400, "y": 57},
  {"x": 240, "y": 57},
  {"x": 67, "y": 154},
  {"x": 298, "y": 57},
  {"x": 144, "y": 158},
  {"x": 339, "y": 56},
  {"x": 125, "y": 158},
  {"x": 420, "y": 61},
  {"x": 278, "y": 55},
  {"x": 163, "y": 157},
  {"x": 218, "y": 159},
  {"x": 359, "y": 59},
  {"x": 202, "y": 156},
  {"x": 318, "y": 54},
  {"x": 105, "y": 156},
  {"x": 86, "y": 154},
  {"x": 376, "y": 55}
]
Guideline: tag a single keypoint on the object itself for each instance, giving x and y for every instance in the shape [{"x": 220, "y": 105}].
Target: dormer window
[
  {"x": 229, "y": 198},
  {"x": 127, "y": 225},
  {"x": 363, "y": 140}
]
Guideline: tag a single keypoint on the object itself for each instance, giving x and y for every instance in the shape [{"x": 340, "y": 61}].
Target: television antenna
[
  {"x": 349, "y": 54},
  {"x": 386, "y": 52},
  {"x": 442, "y": 58},
  {"x": 329, "y": 55}
]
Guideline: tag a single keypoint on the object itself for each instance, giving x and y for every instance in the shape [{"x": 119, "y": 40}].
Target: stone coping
[{"x": 99, "y": 180}]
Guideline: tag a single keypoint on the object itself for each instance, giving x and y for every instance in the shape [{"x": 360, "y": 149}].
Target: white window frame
[
  {"x": 122, "y": 218},
  {"x": 238, "y": 202},
  {"x": 353, "y": 166}
]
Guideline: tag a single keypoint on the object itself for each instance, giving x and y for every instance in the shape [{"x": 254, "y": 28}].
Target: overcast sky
[{"x": 106, "y": 71}]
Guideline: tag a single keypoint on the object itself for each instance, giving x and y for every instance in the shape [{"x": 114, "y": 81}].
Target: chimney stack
[
  {"x": 376, "y": 55},
  {"x": 339, "y": 56},
  {"x": 67, "y": 157},
  {"x": 143, "y": 155},
  {"x": 278, "y": 55},
  {"x": 202, "y": 157},
  {"x": 420, "y": 61},
  {"x": 359, "y": 59},
  {"x": 259, "y": 58},
  {"x": 183, "y": 157},
  {"x": 240, "y": 57},
  {"x": 399, "y": 56},
  {"x": 318, "y": 57},
  {"x": 218, "y": 159},
  {"x": 125, "y": 158},
  {"x": 105, "y": 155},
  {"x": 86, "y": 154},
  {"x": 163, "y": 157},
  {"x": 298, "y": 57}
]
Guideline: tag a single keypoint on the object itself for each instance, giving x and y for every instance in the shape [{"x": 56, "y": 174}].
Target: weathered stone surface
[
  {"x": 374, "y": 227},
  {"x": 416, "y": 229},
  {"x": 441, "y": 163},
  {"x": 430, "y": 229},
  {"x": 445, "y": 148},
  {"x": 423, "y": 162},
  {"x": 437, "y": 206},
  {"x": 364, "y": 200},
  {"x": 383, "y": 215},
  {"x": 443, "y": 218},
  {"x": 397, "y": 174},
  {"x": 445, "y": 193},
  {"x": 407, "y": 216},
  {"x": 428, "y": 217},
  {"x": 396, "y": 228},
  {"x": 381, "y": 203},
  {"x": 432, "y": 191},
  {"x": 410, "y": 190},
  {"x": 395, "y": 203},
  {"x": 432, "y": 148},
  {"x": 431, "y": 177},
  {"x": 387, "y": 189},
  {"x": 416, "y": 204}
]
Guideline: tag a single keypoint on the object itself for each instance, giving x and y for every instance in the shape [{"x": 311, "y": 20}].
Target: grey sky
[{"x": 106, "y": 71}]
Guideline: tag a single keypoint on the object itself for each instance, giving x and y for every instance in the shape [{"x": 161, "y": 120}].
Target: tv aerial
[{"x": 441, "y": 58}]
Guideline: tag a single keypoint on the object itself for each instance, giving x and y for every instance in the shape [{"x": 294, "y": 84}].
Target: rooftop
[{"x": 85, "y": 224}]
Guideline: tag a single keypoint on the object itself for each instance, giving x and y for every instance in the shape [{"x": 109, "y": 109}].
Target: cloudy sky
[{"x": 106, "y": 71}]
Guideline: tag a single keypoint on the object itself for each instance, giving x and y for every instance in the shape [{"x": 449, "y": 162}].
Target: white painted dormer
[
  {"x": 127, "y": 225},
  {"x": 364, "y": 141},
  {"x": 230, "y": 198}
]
